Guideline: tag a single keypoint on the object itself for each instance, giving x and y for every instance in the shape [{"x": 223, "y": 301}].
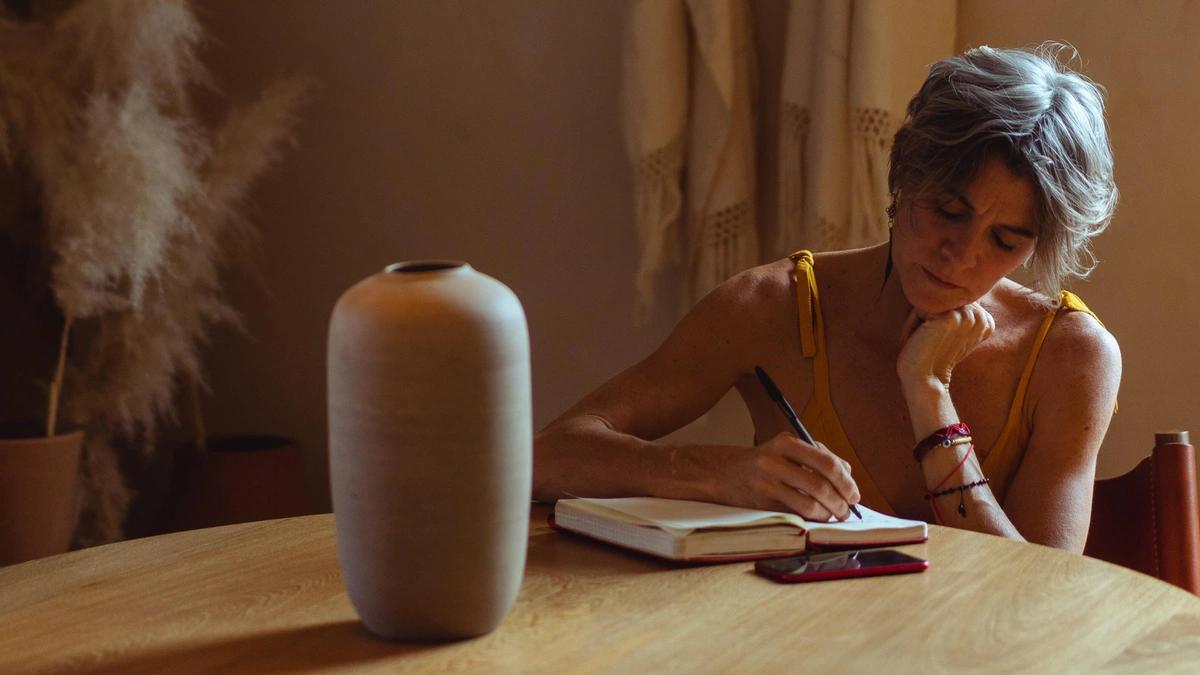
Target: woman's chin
[
  {"x": 929, "y": 299},
  {"x": 931, "y": 305}
]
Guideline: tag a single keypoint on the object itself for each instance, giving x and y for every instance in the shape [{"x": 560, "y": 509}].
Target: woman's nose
[{"x": 959, "y": 246}]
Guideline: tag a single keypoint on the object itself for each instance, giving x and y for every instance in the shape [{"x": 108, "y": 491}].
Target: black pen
[{"x": 790, "y": 414}]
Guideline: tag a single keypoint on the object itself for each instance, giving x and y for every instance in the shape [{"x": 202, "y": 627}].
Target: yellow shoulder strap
[
  {"x": 1067, "y": 301},
  {"x": 806, "y": 300}
]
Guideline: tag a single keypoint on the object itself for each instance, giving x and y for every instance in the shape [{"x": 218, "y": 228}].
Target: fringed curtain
[
  {"x": 689, "y": 125},
  {"x": 690, "y": 89},
  {"x": 849, "y": 70}
]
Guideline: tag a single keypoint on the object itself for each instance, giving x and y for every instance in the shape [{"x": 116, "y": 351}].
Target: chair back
[{"x": 1149, "y": 519}]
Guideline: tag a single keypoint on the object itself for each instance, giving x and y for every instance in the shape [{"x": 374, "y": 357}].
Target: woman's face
[{"x": 950, "y": 249}]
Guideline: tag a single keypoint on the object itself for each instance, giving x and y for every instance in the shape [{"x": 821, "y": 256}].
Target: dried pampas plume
[{"x": 141, "y": 211}]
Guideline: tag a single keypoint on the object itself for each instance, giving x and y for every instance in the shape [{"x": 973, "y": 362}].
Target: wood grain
[{"x": 268, "y": 596}]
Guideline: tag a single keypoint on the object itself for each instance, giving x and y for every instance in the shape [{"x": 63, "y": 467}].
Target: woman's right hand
[{"x": 787, "y": 474}]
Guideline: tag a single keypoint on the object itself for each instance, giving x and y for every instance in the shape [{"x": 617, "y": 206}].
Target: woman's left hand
[{"x": 933, "y": 345}]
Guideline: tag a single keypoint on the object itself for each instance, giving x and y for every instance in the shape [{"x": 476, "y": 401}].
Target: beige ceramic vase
[
  {"x": 37, "y": 495},
  {"x": 430, "y": 446}
]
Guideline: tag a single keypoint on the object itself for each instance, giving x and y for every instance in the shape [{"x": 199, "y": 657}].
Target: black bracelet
[{"x": 961, "y": 490}]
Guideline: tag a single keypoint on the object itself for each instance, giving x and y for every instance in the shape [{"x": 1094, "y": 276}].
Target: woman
[{"x": 1003, "y": 160}]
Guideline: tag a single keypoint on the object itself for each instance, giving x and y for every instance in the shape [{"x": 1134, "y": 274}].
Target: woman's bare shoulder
[
  {"x": 1079, "y": 356},
  {"x": 759, "y": 305},
  {"x": 1019, "y": 303},
  {"x": 851, "y": 272},
  {"x": 745, "y": 312},
  {"x": 754, "y": 292},
  {"x": 1079, "y": 339},
  {"x": 1070, "y": 329},
  {"x": 1070, "y": 332}
]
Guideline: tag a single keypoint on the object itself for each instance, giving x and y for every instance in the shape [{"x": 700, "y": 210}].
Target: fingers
[
  {"x": 845, "y": 464},
  {"x": 940, "y": 342},
  {"x": 968, "y": 317},
  {"x": 977, "y": 323},
  {"x": 953, "y": 334},
  {"x": 802, "y": 504},
  {"x": 812, "y": 481},
  {"x": 989, "y": 323},
  {"x": 910, "y": 325}
]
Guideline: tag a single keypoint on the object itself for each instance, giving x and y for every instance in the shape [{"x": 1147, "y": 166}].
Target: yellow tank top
[{"x": 822, "y": 421}]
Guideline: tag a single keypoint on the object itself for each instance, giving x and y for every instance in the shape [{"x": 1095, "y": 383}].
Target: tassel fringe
[
  {"x": 657, "y": 203},
  {"x": 870, "y": 149},
  {"x": 729, "y": 245}
]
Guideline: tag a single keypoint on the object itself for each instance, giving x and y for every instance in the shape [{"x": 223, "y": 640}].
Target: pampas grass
[{"x": 141, "y": 208}]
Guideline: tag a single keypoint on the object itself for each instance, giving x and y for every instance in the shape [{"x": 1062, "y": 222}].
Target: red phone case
[{"x": 915, "y": 565}]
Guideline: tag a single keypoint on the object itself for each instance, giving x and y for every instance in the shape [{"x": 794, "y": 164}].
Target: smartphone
[{"x": 839, "y": 565}]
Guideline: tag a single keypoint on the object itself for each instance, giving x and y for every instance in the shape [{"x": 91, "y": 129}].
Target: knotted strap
[
  {"x": 819, "y": 413},
  {"x": 806, "y": 301}
]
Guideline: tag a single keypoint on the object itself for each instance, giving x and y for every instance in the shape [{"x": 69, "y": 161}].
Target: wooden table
[{"x": 268, "y": 596}]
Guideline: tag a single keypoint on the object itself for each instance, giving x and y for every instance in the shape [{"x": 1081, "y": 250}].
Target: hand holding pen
[{"x": 788, "y": 412}]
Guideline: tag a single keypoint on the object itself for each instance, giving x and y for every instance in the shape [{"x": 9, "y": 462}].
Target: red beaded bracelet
[{"x": 940, "y": 438}]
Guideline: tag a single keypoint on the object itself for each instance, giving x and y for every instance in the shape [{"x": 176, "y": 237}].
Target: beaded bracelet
[
  {"x": 943, "y": 437},
  {"x": 961, "y": 440},
  {"x": 961, "y": 490}
]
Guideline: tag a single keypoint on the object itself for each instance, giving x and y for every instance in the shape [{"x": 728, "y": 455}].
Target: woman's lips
[{"x": 938, "y": 281}]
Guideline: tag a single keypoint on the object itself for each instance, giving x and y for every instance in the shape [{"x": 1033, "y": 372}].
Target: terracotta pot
[
  {"x": 239, "y": 479},
  {"x": 430, "y": 444},
  {"x": 37, "y": 495}
]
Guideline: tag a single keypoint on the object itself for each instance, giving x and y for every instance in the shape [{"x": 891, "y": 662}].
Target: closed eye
[
  {"x": 1004, "y": 246},
  {"x": 948, "y": 215}
]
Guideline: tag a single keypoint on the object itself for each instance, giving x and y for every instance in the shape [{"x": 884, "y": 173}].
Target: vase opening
[{"x": 423, "y": 266}]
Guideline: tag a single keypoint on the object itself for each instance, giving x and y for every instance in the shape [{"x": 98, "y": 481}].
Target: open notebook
[{"x": 701, "y": 532}]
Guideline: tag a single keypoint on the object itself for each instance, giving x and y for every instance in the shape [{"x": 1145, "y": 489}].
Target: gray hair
[{"x": 1043, "y": 119}]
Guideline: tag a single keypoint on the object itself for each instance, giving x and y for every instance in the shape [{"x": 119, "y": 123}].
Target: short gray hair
[{"x": 1044, "y": 119}]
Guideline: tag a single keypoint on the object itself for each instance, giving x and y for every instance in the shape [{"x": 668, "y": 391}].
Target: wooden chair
[{"x": 1149, "y": 519}]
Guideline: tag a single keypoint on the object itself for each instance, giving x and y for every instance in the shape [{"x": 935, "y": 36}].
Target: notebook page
[
  {"x": 871, "y": 520},
  {"x": 684, "y": 515}
]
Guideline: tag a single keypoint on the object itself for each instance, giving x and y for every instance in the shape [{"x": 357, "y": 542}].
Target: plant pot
[
  {"x": 239, "y": 479},
  {"x": 37, "y": 495}
]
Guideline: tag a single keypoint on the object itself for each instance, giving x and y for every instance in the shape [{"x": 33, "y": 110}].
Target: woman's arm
[
  {"x": 603, "y": 446},
  {"x": 931, "y": 349},
  {"x": 1049, "y": 498},
  {"x": 1072, "y": 396}
]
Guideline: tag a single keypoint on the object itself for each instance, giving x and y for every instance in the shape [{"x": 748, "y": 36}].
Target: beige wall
[
  {"x": 483, "y": 131},
  {"x": 487, "y": 131}
]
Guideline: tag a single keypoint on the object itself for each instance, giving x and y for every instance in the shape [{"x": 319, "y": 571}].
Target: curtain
[
  {"x": 849, "y": 70},
  {"x": 689, "y": 88},
  {"x": 689, "y": 117}
]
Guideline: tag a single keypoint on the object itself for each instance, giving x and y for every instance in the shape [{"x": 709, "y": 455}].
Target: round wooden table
[{"x": 268, "y": 596}]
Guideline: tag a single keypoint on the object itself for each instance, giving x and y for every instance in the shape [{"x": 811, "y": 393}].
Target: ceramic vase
[
  {"x": 37, "y": 495},
  {"x": 430, "y": 444}
]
